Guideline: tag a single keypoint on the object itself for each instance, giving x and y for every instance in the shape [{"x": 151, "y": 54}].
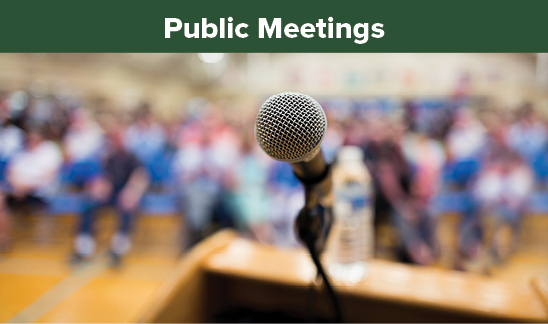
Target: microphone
[{"x": 290, "y": 127}]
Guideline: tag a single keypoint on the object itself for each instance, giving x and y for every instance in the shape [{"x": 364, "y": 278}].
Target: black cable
[
  {"x": 334, "y": 299},
  {"x": 311, "y": 301}
]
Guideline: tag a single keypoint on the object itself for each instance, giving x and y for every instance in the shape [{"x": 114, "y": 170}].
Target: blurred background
[{"x": 165, "y": 143}]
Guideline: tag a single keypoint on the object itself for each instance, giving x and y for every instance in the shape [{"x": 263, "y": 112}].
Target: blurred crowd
[{"x": 209, "y": 160}]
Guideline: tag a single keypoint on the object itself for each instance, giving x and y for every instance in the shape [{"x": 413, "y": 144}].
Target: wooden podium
[{"x": 225, "y": 272}]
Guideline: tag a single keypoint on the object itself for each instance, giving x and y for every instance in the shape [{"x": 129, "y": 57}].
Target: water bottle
[{"x": 350, "y": 244}]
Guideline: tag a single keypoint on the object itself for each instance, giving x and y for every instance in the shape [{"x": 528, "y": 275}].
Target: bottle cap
[{"x": 350, "y": 154}]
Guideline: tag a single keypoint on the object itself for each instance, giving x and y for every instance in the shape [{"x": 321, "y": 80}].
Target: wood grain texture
[
  {"x": 181, "y": 298},
  {"x": 540, "y": 284},
  {"x": 225, "y": 271}
]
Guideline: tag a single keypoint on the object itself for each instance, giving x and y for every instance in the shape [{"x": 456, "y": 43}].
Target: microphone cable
[
  {"x": 333, "y": 297},
  {"x": 311, "y": 300}
]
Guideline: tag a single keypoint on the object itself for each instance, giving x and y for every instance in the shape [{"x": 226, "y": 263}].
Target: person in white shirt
[
  {"x": 11, "y": 141},
  {"x": 84, "y": 138},
  {"x": 84, "y": 145},
  {"x": 527, "y": 136},
  {"x": 11, "y": 137},
  {"x": 502, "y": 191},
  {"x": 32, "y": 177},
  {"x": 467, "y": 136}
]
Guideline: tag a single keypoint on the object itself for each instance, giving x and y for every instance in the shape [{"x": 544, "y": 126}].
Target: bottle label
[{"x": 353, "y": 216}]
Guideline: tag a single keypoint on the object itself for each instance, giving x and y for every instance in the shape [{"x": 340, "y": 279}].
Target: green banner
[{"x": 274, "y": 26}]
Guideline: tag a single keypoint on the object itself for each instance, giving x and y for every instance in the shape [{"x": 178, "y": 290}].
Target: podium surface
[{"x": 227, "y": 272}]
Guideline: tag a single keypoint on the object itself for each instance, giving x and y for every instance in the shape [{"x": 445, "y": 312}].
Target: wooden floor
[{"x": 37, "y": 284}]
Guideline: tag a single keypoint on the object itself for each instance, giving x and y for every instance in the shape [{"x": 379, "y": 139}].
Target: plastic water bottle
[{"x": 350, "y": 244}]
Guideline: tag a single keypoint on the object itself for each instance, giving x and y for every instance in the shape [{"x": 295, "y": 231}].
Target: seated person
[
  {"x": 145, "y": 138},
  {"x": 527, "y": 136},
  {"x": 501, "y": 192},
  {"x": 499, "y": 197},
  {"x": 32, "y": 178},
  {"x": 249, "y": 195},
  {"x": 286, "y": 193},
  {"x": 122, "y": 184},
  {"x": 11, "y": 137},
  {"x": 11, "y": 141},
  {"x": 395, "y": 199},
  {"x": 202, "y": 166},
  {"x": 466, "y": 142},
  {"x": 83, "y": 145}
]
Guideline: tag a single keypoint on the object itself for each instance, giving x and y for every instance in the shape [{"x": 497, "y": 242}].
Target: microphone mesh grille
[{"x": 290, "y": 126}]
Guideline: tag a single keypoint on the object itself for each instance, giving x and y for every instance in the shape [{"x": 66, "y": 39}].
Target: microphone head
[{"x": 290, "y": 127}]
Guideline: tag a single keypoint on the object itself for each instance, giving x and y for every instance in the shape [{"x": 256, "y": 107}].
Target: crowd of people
[
  {"x": 211, "y": 161},
  {"x": 495, "y": 159}
]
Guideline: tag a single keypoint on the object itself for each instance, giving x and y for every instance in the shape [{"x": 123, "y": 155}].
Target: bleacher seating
[
  {"x": 162, "y": 198},
  {"x": 78, "y": 173},
  {"x": 459, "y": 202},
  {"x": 459, "y": 173},
  {"x": 66, "y": 203},
  {"x": 151, "y": 204},
  {"x": 3, "y": 165},
  {"x": 159, "y": 169},
  {"x": 159, "y": 203}
]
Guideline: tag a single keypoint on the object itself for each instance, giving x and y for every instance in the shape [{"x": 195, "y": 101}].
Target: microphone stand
[{"x": 313, "y": 225}]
